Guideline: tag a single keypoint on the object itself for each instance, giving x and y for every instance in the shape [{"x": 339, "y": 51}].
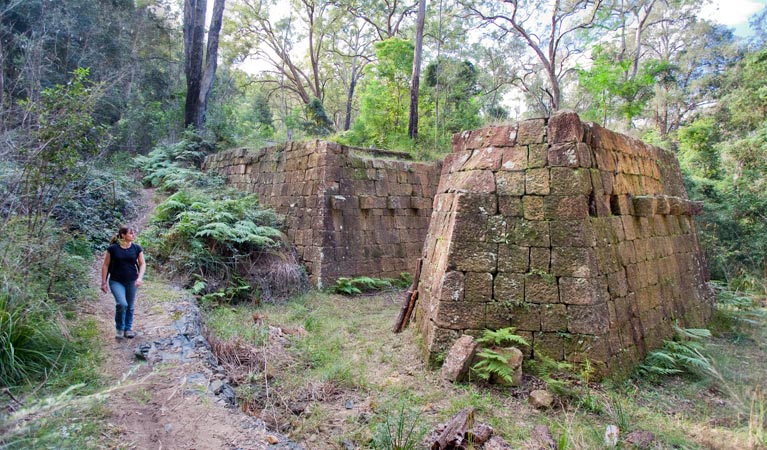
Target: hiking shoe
[
  {"x": 130, "y": 334},
  {"x": 119, "y": 334}
]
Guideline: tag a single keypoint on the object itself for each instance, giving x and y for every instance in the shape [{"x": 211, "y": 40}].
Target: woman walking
[{"x": 122, "y": 273}]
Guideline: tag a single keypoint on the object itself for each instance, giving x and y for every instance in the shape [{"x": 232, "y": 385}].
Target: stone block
[
  {"x": 661, "y": 205},
  {"x": 503, "y": 135},
  {"x": 531, "y": 131},
  {"x": 514, "y": 159},
  {"x": 478, "y": 287},
  {"x": 550, "y": 344},
  {"x": 530, "y": 233},
  {"x": 513, "y": 258},
  {"x": 565, "y": 126},
  {"x": 472, "y": 181},
  {"x": 566, "y": 207},
  {"x": 532, "y": 207},
  {"x": 473, "y": 256},
  {"x": 607, "y": 258},
  {"x": 621, "y": 205},
  {"x": 537, "y": 155},
  {"x": 585, "y": 155},
  {"x": 468, "y": 203},
  {"x": 588, "y": 319},
  {"x": 537, "y": 182},
  {"x": 563, "y": 155},
  {"x": 471, "y": 227},
  {"x": 452, "y": 287},
  {"x": 572, "y": 233},
  {"x": 568, "y": 181},
  {"x": 510, "y": 206},
  {"x": 573, "y": 262},
  {"x": 510, "y": 183},
  {"x": 676, "y": 206},
  {"x": 580, "y": 291},
  {"x": 541, "y": 288},
  {"x": 644, "y": 206},
  {"x": 497, "y": 229},
  {"x": 554, "y": 317},
  {"x": 397, "y": 202},
  {"x": 485, "y": 158},
  {"x": 524, "y": 317},
  {"x": 540, "y": 259},
  {"x": 617, "y": 283},
  {"x": 587, "y": 347},
  {"x": 459, "y": 359},
  {"x": 509, "y": 288},
  {"x": 460, "y": 315}
]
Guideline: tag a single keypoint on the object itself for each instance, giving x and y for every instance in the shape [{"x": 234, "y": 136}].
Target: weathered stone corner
[{"x": 581, "y": 238}]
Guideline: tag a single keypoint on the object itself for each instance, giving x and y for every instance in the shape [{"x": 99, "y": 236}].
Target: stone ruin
[
  {"x": 581, "y": 238},
  {"x": 348, "y": 211}
]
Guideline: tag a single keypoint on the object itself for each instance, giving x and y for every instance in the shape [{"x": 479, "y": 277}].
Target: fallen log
[{"x": 454, "y": 434}]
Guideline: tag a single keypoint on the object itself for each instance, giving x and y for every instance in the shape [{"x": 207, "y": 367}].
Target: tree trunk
[
  {"x": 211, "y": 59},
  {"x": 349, "y": 98},
  {"x": 194, "y": 33},
  {"x": 412, "y": 126}
]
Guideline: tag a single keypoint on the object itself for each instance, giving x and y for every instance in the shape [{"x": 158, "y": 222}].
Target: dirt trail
[{"x": 167, "y": 401}]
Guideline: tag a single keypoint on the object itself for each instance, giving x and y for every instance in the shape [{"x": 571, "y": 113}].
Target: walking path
[{"x": 173, "y": 395}]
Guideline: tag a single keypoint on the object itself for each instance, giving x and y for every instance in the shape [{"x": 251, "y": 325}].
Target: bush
[
  {"x": 31, "y": 342},
  {"x": 221, "y": 238}
]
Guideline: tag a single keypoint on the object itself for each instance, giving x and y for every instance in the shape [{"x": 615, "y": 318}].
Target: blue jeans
[{"x": 125, "y": 297}]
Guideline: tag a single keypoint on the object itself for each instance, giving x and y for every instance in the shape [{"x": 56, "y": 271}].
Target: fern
[
  {"x": 684, "y": 355},
  {"x": 493, "y": 363},
  {"x": 502, "y": 337},
  {"x": 358, "y": 285}
]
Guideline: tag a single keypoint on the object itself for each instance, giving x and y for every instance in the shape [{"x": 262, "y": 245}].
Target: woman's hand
[
  {"x": 104, "y": 287},
  {"x": 138, "y": 282}
]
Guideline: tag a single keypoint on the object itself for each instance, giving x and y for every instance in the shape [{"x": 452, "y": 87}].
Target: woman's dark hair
[{"x": 120, "y": 232}]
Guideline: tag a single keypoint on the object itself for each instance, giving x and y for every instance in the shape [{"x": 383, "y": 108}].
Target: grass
[{"x": 337, "y": 348}]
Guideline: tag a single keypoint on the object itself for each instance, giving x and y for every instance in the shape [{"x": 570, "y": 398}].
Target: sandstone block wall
[
  {"x": 347, "y": 212},
  {"x": 581, "y": 238}
]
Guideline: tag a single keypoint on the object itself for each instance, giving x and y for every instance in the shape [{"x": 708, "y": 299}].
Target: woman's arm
[
  {"x": 141, "y": 269},
  {"x": 105, "y": 273}
]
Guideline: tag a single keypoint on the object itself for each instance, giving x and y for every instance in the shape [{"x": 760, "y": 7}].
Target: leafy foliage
[
  {"x": 359, "y": 285},
  {"x": 683, "y": 355},
  {"x": 175, "y": 166},
  {"x": 494, "y": 362},
  {"x": 502, "y": 337},
  {"x": 30, "y": 342}
]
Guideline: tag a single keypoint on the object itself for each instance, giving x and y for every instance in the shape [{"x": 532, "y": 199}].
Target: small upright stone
[{"x": 459, "y": 359}]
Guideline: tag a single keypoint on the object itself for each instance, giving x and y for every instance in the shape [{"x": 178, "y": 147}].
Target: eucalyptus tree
[
  {"x": 351, "y": 51},
  {"x": 387, "y": 17},
  {"x": 415, "y": 78},
  {"x": 283, "y": 44},
  {"x": 199, "y": 78},
  {"x": 550, "y": 30}
]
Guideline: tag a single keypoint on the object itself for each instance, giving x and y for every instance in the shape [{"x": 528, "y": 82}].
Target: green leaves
[
  {"x": 684, "y": 354},
  {"x": 502, "y": 337}
]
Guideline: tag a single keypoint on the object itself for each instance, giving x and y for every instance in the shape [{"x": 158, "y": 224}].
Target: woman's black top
[{"x": 123, "y": 262}]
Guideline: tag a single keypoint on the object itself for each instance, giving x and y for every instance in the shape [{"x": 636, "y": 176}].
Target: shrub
[
  {"x": 31, "y": 342},
  {"x": 221, "y": 237}
]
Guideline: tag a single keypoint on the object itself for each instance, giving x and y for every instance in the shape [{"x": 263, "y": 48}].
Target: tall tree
[
  {"x": 551, "y": 41},
  {"x": 415, "y": 79},
  {"x": 199, "y": 81}
]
